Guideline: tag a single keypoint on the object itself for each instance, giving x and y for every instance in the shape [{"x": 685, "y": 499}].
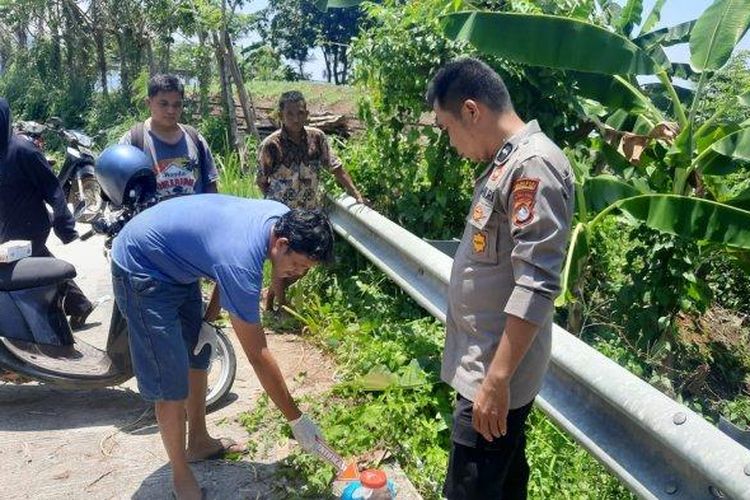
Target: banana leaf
[
  {"x": 336, "y": 4},
  {"x": 575, "y": 261},
  {"x": 717, "y": 31},
  {"x": 732, "y": 150},
  {"x": 653, "y": 17},
  {"x": 683, "y": 70},
  {"x": 666, "y": 37},
  {"x": 604, "y": 190},
  {"x": 550, "y": 41},
  {"x": 614, "y": 92},
  {"x": 630, "y": 16},
  {"x": 691, "y": 218},
  {"x": 741, "y": 201}
]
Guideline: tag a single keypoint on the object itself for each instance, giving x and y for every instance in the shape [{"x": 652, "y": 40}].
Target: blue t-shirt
[
  {"x": 176, "y": 172},
  {"x": 215, "y": 236}
]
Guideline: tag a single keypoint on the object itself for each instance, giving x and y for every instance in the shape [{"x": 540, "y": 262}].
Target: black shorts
[{"x": 478, "y": 468}]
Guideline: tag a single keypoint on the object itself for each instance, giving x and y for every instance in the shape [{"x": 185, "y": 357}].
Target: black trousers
[
  {"x": 481, "y": 469},
  {"x": 75, "y": 302}
]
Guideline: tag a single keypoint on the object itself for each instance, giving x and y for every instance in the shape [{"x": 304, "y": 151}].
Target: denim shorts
[{"x": 164, "y": 320}]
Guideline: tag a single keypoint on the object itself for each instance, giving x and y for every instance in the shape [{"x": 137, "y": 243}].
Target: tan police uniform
[{"x": 509, "y": 262}]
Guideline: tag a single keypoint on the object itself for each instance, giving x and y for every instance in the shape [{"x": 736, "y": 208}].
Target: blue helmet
[{"x": 124, "y": 172}]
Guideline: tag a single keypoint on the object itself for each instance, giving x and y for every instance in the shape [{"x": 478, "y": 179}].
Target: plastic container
[{"x": 372, "y": 485}]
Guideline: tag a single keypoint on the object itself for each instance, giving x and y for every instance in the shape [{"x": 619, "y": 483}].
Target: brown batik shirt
[{"x": 291, "y": 170}]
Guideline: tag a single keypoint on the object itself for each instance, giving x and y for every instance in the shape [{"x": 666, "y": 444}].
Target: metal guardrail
[{"x": 656, "y": 446}]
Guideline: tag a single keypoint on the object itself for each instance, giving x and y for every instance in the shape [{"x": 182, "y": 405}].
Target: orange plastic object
[
  {"x": 350, "y": 473},
  {"x": 373, "y": 479}
]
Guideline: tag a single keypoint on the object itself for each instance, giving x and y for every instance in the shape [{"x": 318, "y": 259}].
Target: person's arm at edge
[
  {"x": 45, "y": 180},
  {"x": 265, "y": 161},
  {"x": 493, "y": 398},
  {"x": 253, "y": 341},
  {"x": 211, "y": 172}
]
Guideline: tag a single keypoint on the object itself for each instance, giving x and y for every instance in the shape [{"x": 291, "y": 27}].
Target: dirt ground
[{"x": 104, "y": 443}]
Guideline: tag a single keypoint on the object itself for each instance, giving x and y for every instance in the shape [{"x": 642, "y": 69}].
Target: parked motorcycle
[
  {"x": 76, "y": 175},
  {"x": 77, "y": 172},
  {"x": 36, "y": 341}
]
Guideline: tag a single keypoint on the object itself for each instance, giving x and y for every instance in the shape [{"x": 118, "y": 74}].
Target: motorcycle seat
[{"x": 33, "y": 272}]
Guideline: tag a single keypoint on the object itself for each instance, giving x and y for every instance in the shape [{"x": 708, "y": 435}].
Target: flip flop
[{"x": 228, "y": 446}]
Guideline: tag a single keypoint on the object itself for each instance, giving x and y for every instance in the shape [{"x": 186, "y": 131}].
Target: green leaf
[
  {"x": 604, "y": 190},
  {"x": 550, "y": 41},
  {"x": 630, "y": 16},
  {"x": 653, "y": 17},
  {"x": 413, "y": 375},
  {"x": 742, "y": 200},
  {"x": 744, "y": 98},
  {"x": 378, "y": 379},
  {"x": 614, "y": 92},
  {"x": 716, "y": 33},
  {"x": 336, "y": 4},
  {"x": 666, "y": 37},
  {"x": 733, "y": 148},
  {"x": 691, "y": 218},
  {"x": 615, "y": 161},
  {"x": 682, "y": 70},
  {"x": 578, "y": 251}
]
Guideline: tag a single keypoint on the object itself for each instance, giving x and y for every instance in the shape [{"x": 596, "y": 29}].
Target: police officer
[{"x": 505, "y": 277}]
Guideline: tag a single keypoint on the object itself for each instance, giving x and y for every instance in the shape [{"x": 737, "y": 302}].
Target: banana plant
[{"x": 606, "y": 63}]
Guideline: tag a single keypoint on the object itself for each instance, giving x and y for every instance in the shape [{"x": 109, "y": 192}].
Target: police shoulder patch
[
  {"x": 523, "y": 193},
  {"x": 479, "y": 242}
]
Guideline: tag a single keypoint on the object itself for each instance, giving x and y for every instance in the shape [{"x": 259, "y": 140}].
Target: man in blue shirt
[{"x": 157, "y": 261}]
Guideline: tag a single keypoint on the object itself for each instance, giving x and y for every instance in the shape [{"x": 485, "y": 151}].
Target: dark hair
[
  {"x": 290, "y": 96},
  {"x": 308, "y": 231},
  {"x": 165, "y": 83},
  {"x": 468, "y": 78}
]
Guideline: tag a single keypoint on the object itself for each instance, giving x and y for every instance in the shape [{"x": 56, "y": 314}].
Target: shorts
[{"x": 164, "y": 321}]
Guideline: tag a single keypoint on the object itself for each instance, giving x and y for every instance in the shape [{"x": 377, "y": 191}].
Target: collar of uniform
[
  {"x": 285, "y": 135},
  {"x": 510, "y": 145}
]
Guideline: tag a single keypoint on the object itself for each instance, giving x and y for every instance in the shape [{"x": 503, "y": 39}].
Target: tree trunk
[
  {"x": 345, "y": 62},
  {"x": 204, "y": 75},
  {"x": 326, "y": 58},
  {"x": 245, "y": 99},
  {"x": 336, "y": 65},
  {"x": 226, "y": 91},
  {"x": 101, "y": 60}
]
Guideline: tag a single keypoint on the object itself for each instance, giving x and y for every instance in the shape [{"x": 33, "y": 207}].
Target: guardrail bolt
[
  {"x": 679, "y": 418},
  {"x": 716, "y": 492},
  {"x": 670, "y": 489}
]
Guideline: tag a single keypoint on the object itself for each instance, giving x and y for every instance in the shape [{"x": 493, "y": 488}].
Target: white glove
[
  {"x": 306, "y": 432},
  {"x": 208, "y": 336}
]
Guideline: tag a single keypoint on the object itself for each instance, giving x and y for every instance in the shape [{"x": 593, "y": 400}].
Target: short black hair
[
  {"x": 165, "y": 83},
  {"x": 309, "y": 232},
  {"x": 467, "y": 78},
  {"x": 290, "y": 96}
]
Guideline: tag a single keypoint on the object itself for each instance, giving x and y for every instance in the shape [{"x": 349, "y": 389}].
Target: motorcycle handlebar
[{"x": 88, "y": 234}]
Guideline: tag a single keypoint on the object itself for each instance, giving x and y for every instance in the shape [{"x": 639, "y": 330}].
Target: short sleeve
[
  {"x": 328, "y": 156},
  {"x": 239, "y": 291},
  {"x": 209, "y": 166}
]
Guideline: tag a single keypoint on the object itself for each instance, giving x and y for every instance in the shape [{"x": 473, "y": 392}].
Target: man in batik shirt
[{"x": 290, "y": 161}]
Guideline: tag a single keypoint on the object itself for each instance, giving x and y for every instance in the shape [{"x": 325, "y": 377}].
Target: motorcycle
[
  {"x": 36, "y": 341},
  {"x": 76, "y": 175},
  {"x": 77, "y": 172}
]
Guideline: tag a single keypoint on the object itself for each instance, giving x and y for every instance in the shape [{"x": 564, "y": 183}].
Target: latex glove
[
  {"x": 207, "y": 336},
  {"x": 306, "y": 432}
]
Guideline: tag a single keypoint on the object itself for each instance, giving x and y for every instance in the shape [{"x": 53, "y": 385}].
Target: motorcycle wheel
[
  {"x": 91, "y": 196},
  {"x": 221, "y": 371}
]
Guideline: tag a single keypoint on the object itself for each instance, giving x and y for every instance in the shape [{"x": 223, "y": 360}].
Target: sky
[{"x": 674, "y": 12}]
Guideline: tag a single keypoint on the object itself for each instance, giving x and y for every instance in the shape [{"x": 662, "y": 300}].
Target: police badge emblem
[
  {"x": 524, "y": 197},
  {"x": 479, "y": 242}
]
